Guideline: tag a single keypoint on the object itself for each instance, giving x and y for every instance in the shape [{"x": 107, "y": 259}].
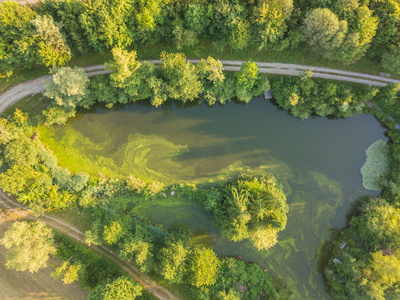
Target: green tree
[
  {"x": 113, "y": 232},
  {"x": 123, "y": 66},
  {"x": 391, "y": 60},
  {"x": 173, "y": 257},
  {"x": 53, "y": 49},
  {"x": 68, "y": 87},
  {"x": 269, "y": 19},
  {"x": 378, "y": 226},
  {"x": 253, "y": 208},
  {"x": 181, "y": 79},
  {"x": 203, "y": 267},
  {"x": 122, "y": 288},
  {"x": 69, "y": 273},
  {"x": 17, "y": 44},
  {"x": 104, "y": 23},
  {"x": 250, "y": 82},
  {"x": 29, "y": 246}
]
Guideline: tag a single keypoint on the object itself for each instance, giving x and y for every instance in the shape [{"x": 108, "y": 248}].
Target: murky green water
[{"x": 318, "y": 160}]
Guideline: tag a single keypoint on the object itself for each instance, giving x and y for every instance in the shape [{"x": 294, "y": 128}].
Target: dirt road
[
  {"x": 65, "y": 228},
  {"x": 35, "y": 86}
]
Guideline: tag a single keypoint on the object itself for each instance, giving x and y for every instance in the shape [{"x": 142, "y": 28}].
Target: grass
[{"x": 33, "y": 105}]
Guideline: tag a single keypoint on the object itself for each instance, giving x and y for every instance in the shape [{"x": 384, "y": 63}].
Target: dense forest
[
  {"x": 365, "y": 258},
  {"x": 51, "y": 32}
]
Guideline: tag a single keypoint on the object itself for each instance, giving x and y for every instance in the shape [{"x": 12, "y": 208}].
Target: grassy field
[{"x": 27, "y": 286}]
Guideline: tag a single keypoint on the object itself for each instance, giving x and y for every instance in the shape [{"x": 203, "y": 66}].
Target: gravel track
[{"x": 35, "y": 86}]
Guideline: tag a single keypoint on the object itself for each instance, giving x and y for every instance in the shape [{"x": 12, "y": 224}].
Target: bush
[{"x": 375, "y": 166}]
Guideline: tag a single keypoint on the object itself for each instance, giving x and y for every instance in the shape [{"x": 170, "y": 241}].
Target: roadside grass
[
  {"x": 33, "y": 105},
  {"x": 73, "y": 217}
]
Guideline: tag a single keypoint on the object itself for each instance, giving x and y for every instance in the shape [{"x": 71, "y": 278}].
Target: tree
[
  {"x": 378, "y": 226},
  {"x": 17, "y": 44},
  {"x": 181, "y": 79},
  {"x": 391, "y": 60},
  {"x": 253, "y": 208},
  {"x": 250, "y": 82},
  {"x": 68, "y": 87},
  {"x": 53, "y": 49},
  {"x": 203, "y": 267},
  {"x": 122, "y": 288},
  {"x": 123, "y": 66},
  {"x": 112, "y": 232},
  {"x": 104, "y": 23},
  {"x": 30, "y": 244},
  {"x": 173, "y": 257},
  {"x": 68, "y": 272},
  {"x": 269, "y": 19},
  {"x": 323, "y": 29}
]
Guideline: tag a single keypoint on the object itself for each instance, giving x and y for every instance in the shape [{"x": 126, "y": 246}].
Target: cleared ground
[{"x": 27, "y": 286}]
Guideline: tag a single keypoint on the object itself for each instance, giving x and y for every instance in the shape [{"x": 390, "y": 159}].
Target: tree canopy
[{"x": 29, "y": 245}]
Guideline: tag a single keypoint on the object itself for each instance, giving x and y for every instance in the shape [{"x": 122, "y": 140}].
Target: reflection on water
[{"x": 317, "y": 160}]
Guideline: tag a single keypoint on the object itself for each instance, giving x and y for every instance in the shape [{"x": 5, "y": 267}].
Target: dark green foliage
[
  {"x": 370, "y": 266},
  {"x": 235, "y": 273},
  {"x": 303, "y": 97},
  {"x": 96, "y": 271}
]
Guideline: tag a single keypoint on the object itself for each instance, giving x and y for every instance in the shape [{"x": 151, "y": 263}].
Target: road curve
[
  {"x": 35, "y": 86},
  {"x": 151, "y": 286}
]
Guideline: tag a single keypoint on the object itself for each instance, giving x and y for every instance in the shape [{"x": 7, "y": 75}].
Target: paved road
[
  {"x": 36, "y": 85},
  {"x": 151, "y": 286}
]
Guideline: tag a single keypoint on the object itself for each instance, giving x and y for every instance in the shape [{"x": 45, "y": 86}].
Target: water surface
[{"x": 318, "y": 161}]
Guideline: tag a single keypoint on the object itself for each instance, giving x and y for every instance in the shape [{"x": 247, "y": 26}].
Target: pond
[{"x": 318, "y": 161}]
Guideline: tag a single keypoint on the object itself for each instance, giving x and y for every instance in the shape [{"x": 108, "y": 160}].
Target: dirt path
[
  {"x": 150, "y": 285},
  {"x": 35, "y": 86}
]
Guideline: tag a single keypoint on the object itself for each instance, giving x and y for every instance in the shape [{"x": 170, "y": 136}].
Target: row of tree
[
  {"x": 131, "y": 80},
  {"x": 340, "y": 30},
  {"x": 365, "y": 258},
  {"x": 304, "y": 96}
]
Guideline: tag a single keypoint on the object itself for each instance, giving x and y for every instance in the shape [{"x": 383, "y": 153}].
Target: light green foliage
[
  {"x": 321, "y": 26},
  {"x": 173, "y": 257},
  {"x": 269, "y": 18},
  {"x": 22, "y": 151},
  {"x": 375, "y": 166},
  {"x": 253, "y": 208},
  {"x": 53, "y": 49},
  {"x": 378, "y": 225},
  {"x": 122, "y": 288},
  {"x": 123, "y": 66},
  {"x": 94, "y": 236},
  {"x": 319, "y": 97},
  {"x": 69, "y": 273},
  {"x": 68, "y": 87},
  {"x": 29, "y": 246},
  {"x": 196, "y": 18},
  {"x": 103, "y": 23},
  {"x": 181, "y": 79},
  {"x": 146, "y": 11},
  {"x": 203, "y": 267},
  {"x": 17, "y": 45},
  {"x": 112, "y": 232},
  {"x": 250, "y": 82}
]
